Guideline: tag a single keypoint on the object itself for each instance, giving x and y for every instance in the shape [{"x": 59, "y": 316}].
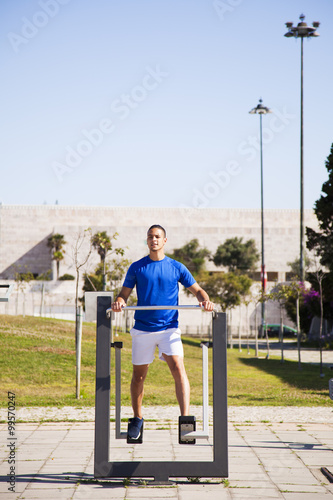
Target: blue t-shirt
[{"x": 156, "y": 284}]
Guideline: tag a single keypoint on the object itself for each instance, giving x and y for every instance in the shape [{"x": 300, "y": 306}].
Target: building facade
[{"x": 25, "y": 229}]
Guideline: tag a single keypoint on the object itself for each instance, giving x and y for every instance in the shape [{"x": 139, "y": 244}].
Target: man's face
[{"x": 156, "y": 239}]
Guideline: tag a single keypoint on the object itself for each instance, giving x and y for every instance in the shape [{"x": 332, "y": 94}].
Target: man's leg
[
  {"x": 177, "y": 368},
  {"x": 138, "y": 378}
]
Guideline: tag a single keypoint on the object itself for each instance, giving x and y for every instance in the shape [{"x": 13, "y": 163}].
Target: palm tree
[
  {"x": 103, "y": 244},
  {"x": 101, "y": 241},
  {"x": 56, "y": 243}
]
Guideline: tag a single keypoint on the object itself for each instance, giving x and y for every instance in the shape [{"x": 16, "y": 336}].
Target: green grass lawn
[{"x": 37, "y": 363}]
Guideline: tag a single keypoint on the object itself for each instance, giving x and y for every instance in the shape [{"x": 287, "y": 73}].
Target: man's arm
[
  {"x": 121, "y": 300},
  {"x": 202, "y": 297}
]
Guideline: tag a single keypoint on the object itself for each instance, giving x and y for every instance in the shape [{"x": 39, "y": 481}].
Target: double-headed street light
[
  {"x": 262, "y": 110},
  {"x": 302, "y": 30}
]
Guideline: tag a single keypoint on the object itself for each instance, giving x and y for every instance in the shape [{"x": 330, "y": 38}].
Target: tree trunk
[
  {"x": 321, "y": 329},
  {"x": 78, "y": 336},
  {"x": 256, "y": 331},
  {"x": 281, "y": 332},
  {"x": 298, "y": 332}
]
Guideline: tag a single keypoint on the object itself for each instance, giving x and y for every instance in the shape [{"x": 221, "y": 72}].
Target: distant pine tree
[
  {"x": 192, "y": 256},
  {"x": 322, "y": 242},
  {"x": 236, "y": 256}
]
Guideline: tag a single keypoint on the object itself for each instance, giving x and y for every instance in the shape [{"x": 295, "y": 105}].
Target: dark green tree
[
  {"x": 321, "y": 242},
  {"x": 236, "y": 256},
  {"x": 192, "y": 256},
  {"x": 295, "y": 266},
  {"x": 226, "y": 289}
]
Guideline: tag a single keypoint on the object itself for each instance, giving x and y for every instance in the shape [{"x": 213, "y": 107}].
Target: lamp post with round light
[
  {"x": 302, "y": 30},
  {"x": 262, "y": 110}
]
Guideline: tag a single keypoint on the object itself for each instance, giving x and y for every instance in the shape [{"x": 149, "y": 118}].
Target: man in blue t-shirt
[{"x": 156, "y": 279}]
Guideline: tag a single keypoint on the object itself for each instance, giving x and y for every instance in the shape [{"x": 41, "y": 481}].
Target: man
[{"x": 156, "y": 278}]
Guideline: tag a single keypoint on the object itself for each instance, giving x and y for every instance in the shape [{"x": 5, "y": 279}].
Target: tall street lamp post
[
  {"x": 262, "y": 110},
  {"x": 302, "y": 30}
]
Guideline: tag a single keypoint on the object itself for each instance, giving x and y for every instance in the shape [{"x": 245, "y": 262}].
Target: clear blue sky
[{"x": 169, "y": 84}]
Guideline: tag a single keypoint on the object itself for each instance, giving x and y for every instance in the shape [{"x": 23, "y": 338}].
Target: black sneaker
[{"x": 134, "y": 428}]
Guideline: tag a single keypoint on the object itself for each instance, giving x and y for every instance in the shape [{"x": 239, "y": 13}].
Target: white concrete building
[{"x": 24, "y": 230}]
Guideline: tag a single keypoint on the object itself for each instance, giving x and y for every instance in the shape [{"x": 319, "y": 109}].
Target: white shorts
[{"x": 145, "y": 343}]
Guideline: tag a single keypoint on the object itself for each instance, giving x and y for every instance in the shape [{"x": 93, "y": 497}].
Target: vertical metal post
[
  {"x": 220, "y": 407},
  {"x": 118, "y": 346},
  {"x": 262, "y": 233},
  {"x": 301, "y": 260},
  {"x": 102, "y": 398},
  {"x": 205, "y": 395},
  {"x": 118, "y": 392},
  {"x": 301, "y": 31},
  {"x": 78, "y": 349}
]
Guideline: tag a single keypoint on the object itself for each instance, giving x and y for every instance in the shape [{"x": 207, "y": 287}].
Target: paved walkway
[{"x": 273, "y": 453}]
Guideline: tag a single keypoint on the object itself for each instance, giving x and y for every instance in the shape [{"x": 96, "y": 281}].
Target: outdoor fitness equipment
[
  {"x": 5, "y": 292},
  {"x": 160, "y": 471}
]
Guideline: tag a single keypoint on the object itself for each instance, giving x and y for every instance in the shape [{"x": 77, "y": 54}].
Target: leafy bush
[
  {"x": 67, "y": 277},
  {"x": 44, "y": 276}
]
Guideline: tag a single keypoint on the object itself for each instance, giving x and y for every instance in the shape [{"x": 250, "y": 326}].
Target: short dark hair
[{"x": 158, "y": 227}]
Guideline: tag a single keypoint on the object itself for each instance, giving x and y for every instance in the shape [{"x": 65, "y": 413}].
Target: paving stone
[
  {"x": 56, "y": 493},
  {"x": 219, "y": 493},
  {"x": 301, "y": 488},
  {"x": 257, "y": 493},
  {"x": 292, "y": 476},
  {"x": 307, "y": 496},
  {"x": 262, "y": 464},
  {"x": 151, "y": 492},
  {"x": 100, "y": 492}
]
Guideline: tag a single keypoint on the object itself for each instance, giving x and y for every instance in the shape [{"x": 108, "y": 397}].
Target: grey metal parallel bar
[
  {"x": 152, "y": 308},
  {"x": 119, "y": 434},
  {"x": 102, "y": 398},
  {"x": 205, "y": 390},
  {"x": 155, "y": 308},
  {"x": 220, "y": 407},
  {"x": 160, "y": 471}
]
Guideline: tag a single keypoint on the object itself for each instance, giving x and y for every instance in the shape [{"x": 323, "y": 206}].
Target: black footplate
[{"x": 186, "y": 424}]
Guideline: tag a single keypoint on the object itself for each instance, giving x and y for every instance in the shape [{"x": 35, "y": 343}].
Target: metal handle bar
[{"x": 151, "y": 308}]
